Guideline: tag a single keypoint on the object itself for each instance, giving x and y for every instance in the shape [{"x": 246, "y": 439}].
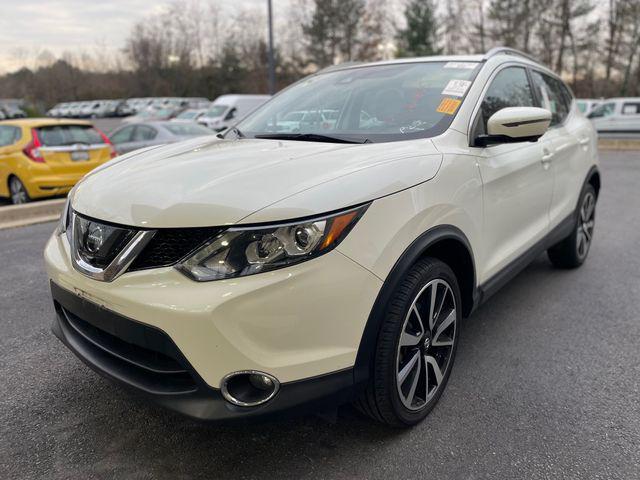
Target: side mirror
[{"x": 515, "y": 124}]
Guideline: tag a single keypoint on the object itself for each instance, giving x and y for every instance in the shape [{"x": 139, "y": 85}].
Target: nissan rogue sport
[{"x": 273, "y": 269}]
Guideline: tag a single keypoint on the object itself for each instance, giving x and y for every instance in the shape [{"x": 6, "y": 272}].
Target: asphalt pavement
[{"x": 546, "y": 385}]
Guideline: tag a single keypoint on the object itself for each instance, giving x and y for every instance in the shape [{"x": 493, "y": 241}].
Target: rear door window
[
  {"x": 66, "y": 135},
  {"x": 123, "y": 136},
  {"x": 631, "y": 108},
  {"x": 9, "y": 135},
  {"x": 603, "y": 110},
  {"x": 144, "y": 133},
  {"x": 553, "y": 95}
]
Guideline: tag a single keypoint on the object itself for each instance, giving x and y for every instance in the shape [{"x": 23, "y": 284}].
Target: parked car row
[
  {"x": 225, "y": 111},
  {"x": 91, "y": 109},
  {"x": 11, "y": 111},
  {"x": 217, "y": 115},
  {"x": 123, "y": 107}
]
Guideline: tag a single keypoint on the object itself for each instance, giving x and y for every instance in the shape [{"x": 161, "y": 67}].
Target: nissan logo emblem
[{"x": 94, "y": 238}]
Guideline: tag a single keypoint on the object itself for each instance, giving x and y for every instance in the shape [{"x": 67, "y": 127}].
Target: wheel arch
[
  {"x": 4, "y": 184},
  {"x": 446, "y": 243},
  {"x": 593, "y": 179},
  {"x": 7, "y": 182}
]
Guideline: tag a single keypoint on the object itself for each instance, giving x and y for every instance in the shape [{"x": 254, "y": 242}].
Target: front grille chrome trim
[{"x": 118, "y": 265}]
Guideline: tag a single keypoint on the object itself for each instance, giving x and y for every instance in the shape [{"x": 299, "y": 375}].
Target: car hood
[{"x": 210, "y": 182}]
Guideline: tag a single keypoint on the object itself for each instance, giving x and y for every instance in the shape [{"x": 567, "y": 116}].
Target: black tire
[
  {"x": 382, "y": 399},
  {"x": 18, "y": 192},
  {"x": 572, "y": 251}
]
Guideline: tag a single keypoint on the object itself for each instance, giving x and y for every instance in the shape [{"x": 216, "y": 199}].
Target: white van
[
  {"x": 617, "y": 115},
  {"x": 229, "y": 109}
]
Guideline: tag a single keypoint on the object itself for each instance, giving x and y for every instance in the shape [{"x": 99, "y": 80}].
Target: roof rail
[{"x": 509, "y": 51}]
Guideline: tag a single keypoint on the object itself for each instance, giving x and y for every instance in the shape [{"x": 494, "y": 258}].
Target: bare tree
[{"x": 631, "y": 42}]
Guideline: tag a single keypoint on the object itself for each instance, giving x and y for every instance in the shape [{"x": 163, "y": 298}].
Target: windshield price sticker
[
  {"x": 457, "y": 88},
  {"x": 448, "y": 106},
  {"x": 462, "y": 65}
]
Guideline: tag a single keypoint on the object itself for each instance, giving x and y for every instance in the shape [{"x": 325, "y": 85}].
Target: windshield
[
  {"x": 603, "y": 110},
  {"x": 216, "y": 111},
  {"x": 376, "y": 103},
  {"x": 187, "y": 114}
]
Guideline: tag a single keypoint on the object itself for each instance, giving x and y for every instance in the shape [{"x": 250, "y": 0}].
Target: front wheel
[
  {"x": 573, "y": 250},
  {"x": 18, "y": 191},
  {"x": 416, "y": 346}
]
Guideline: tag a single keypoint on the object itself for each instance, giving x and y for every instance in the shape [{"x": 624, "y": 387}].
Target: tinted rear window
[
  {"x": 8, "y": 135},
  {"x": 63, "y": 135}
]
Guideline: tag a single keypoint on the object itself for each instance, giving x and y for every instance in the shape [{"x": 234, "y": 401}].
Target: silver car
[
  {"x": 189, "y": 115},
  {"x": 132, "y": 137}
]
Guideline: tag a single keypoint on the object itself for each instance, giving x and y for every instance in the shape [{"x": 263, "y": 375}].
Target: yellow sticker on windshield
[{"x": 448, "y": 106}]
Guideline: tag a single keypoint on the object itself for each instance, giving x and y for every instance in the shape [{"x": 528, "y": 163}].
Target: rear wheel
[
  {"x": 416, "y": 346},
  {"x": 18, "y": 191},
  {"x": 573, "y": 250}
]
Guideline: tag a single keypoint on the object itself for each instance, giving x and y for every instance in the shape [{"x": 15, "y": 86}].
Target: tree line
[{"x": 194, "y": 49}]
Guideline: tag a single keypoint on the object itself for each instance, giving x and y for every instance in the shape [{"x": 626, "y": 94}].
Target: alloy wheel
[
  {"x": 586, "y": 223},
  {"x": 426, "y": 344},
  {"x": 18, "y": 192}
]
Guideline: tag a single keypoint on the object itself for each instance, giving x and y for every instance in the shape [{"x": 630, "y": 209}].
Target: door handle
[
  {"x": 584, "y": 141},
  {"x": 546, "y": 158}
]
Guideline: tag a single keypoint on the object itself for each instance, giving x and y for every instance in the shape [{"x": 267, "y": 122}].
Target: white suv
[{"x": 264, "y": 271}]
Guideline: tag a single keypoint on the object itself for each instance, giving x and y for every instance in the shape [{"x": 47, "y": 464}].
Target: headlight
[{"x": 238, "y": 252}]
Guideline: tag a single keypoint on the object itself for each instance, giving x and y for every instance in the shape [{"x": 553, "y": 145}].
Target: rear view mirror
[{"x": 515, "y": 124}]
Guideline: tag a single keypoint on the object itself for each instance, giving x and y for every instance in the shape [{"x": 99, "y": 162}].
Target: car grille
[{"x": 170, "y": 245}]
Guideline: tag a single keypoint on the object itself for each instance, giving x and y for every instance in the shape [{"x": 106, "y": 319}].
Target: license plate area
[{"x": 81, "y": 156}]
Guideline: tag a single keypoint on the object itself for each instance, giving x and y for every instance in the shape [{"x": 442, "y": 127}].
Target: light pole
[{"x": 272, "y": 67}]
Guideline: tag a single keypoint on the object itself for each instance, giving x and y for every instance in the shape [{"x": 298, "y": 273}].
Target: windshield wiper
[{"x": 311, "y": 137}]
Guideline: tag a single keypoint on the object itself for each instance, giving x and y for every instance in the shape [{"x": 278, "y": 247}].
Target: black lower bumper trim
[{"x": 89, "y": 336}]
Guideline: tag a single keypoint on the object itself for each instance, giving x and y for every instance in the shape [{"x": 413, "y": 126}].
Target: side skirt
[{"x": 495, "y": 283}]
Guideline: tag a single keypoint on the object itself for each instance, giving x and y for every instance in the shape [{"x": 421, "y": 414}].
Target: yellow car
[{"x": 46, "y": 157}]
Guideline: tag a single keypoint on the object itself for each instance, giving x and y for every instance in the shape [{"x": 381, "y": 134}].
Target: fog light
[{"x": 249, "y": 388}]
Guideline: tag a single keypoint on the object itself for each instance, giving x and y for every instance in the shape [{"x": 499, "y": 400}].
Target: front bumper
[
  {"x": 146, "y": 361},
  {"x": 303, "y": 325}
]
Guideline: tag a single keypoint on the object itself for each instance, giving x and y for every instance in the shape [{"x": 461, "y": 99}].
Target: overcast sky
[{"x": 29, "y": 26}]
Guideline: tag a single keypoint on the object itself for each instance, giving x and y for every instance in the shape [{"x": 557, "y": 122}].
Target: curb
[
  {"x": 31, "y": 213},
  {"x": 618, "y": 144}
]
